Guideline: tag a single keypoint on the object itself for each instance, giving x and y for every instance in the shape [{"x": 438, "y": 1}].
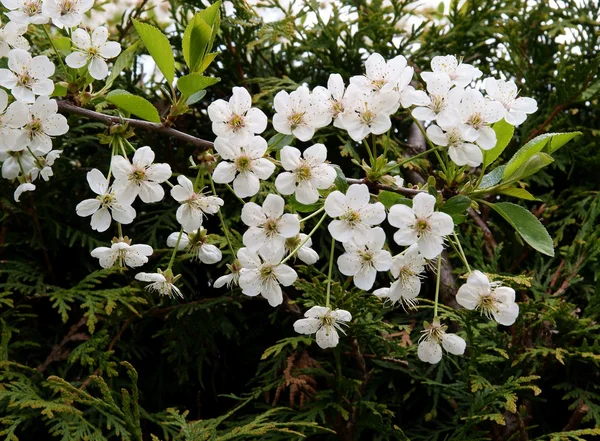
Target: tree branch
[{"x": 376, "y": 185}]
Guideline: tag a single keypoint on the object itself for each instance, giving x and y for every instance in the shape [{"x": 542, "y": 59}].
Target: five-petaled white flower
[
  {"x": 43, "y": 123},
  {"x": 407, "y": 269},
  {"x": 194, "y": 206},
  {"x": 66, "y": 13},
  {"x": 122, "y": 251},
  {"x": 305, "y": 253},
  {"x": 236, "y": 119},
  {"x": 27, "y": 77},
  {"x": 460, "y": 73},
  {"x": 11, "y": 37},
  {"x": 196, "y": 242},
  {"x": 296, "y": 115},
  {"x": 26, "y": 12},
  {"x": 384, "y": 76},
  {"x": 140, "y": 177},
  {"x": 12, "y": 118},
  {"x": 305, "y": 176},
  {"x": 106, "y": 200},
  {"x": 421, "y": 225},
  {"x": 491, "y": 299},
  {"x": 330, "y": 100},
  {"x": 247, "y": 166},
  {"x": 505, "y": 92},
  {"x": 440, "y": 101},
  {"x": 363, "y": 261},
  {"x": 93, "y": 50},
  {"x": 434, "y": 338},
  {"x": 325, "y": 323},
  {"x": 269, "y": 226},
  {"x": 477, "y": 113},
  {"x": 161, "y": 282},
  {"x": 460, "y": 143},
  {"x": 355, "y": 216},
  {"x": 262, "y": 274}
]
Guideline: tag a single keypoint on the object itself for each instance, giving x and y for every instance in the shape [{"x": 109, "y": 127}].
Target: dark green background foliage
[{"x": 88, "y": 354}]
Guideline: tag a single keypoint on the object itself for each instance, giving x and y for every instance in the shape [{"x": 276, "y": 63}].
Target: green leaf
[
  {"x": 136, "y": 105},
  {"x": 192, "y": 83},
  {"x": 527, "y": 225},
  {"x": 279, "y": 141},
  {"x": 548, "y": 143},
  {"x": 194, "y": 98},
  {"x": 492, "y": 178},
  {"x": 340, "y": 179},
  {"x": 208, "y": 58},
  {"x": 456, "y": 205},
  {"x": 199, "y": 37},
  {"x": 504, "y": 133},
  {"x": 531, "y": 166},
  {"x": 302, "y": 208},
  {"x": 390, "y": 198},
  {"x": 123, "y": 61},
  {"x": 159, "y": 48},
  {"x": 520, "y": 193},
  {"x": 63, "y": 44},
  {"x": 59, "y": 90}
]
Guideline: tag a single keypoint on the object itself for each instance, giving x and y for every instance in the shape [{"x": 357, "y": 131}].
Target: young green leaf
[
  {"x": 520, "y": 193},
  {"x": 199, "y": 36},
  {"x": 192, "y": 83},
  {"x": 504, "y": 133},
  {"x": 279, "y": 141},
  {"x": 390, "y": 198},
  {"x": 159, "y": 48},
  {"x": 530, "y": 166},
  {"x": 136, "y": 105},
  {"x": 527, "y": 225}
]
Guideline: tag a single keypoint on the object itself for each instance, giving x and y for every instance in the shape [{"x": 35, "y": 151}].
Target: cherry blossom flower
[
  {"x": 247, "y": 166},
  {"x": 262, "y": 273},
  {"x": 440, "y": 101},
  {"x": 295, "y": 114},
  {"x": 363, "y": 261},
  {"x": 93, "y": 50},
  {"x": 421, "y": 225},
  {"x": 26, "y": 186},
  {"x": 460, "y": 73},
  {"x": 491, "y": 299},
  {"x": 325, "y": 323},
  {"x": 27, "y": 76},
  {"x": 407, "y": 268},
  {"x": 11, "y": 37},
  {"x": 382, "y": 76},
  {"x": 26, "y": 12},
  {"x": 305, "y": 175},
  {"x": 161, "y": 282},
  {"x": 123, "y": 252},
  {"x": 505, "y": 92},
  {"x": 331, "y": 100},
  {"x": 434, "y": 338},
  {"x": 46, "y": 164},
  {"x": 43, "y": 123},
  {"x": 232, "y": 278},
  {"x": 269, "y": 226},
  {"x": 66, "y": 13},
  {"x": 236, "y": 119},
  {"x": 12, "y": 118},
  {"x": 194, "y": 206},
  {"x": 196, "y": 242},
  {"x": 305, "y": 253},
  {"x": 105, "y": 205},
  {"x": 140, "y": 177},
  {"x": 355, "y": 216},
  {"x": 460, "y": 143},
  {"x": 476, "y": 114}
]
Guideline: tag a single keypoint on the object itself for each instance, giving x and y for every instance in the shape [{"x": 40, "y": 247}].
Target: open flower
[
  {"x": 43, "y": 165},
  {"x": 295, "y": 114},
  {"x": 477, "y": 113},
  {"x": 305, "y": 253},
  {"x": 196, "y": 242},
  {"x": 67, "y": 13},
  {"x": 305, "y": 176},
  {"x": 93, "y": 50},
  {"x": 269, "y": 227},
  {"x": 506, "y": 93},
  {"x": 434, "y": 338},
  {"x": 363, "y": 261},
  {"x": 232, "y": 278},
  {"x": 491, "y": 299},
  {"x": 194, "y": 206},
  {"x": 330, "y": 101},
  {"x": 247, "y": 166},
  {"x": 355, "y": 216},
  {"x": 325, "y": 323},
  {"x": 140, "y": 177},
  {"x": 43, "y": 122},
  {"x": 25, "y": 12},
  {"x": 237, "y": 118},
  {"x": 421, "y": 225},
  {"x": 460, "y": 74},
  {"x": 11, "y": 37},
  {"x": 122, "y": 251},
  {"x": 460, "y": 143},
  {"x": 27, "y": 77},
  {"x": 384, "y": 76},
  {"x": 162, "y": 283},
  {"x": 104, "y": 205},
  {"x": 440, "y": 101},
  {"x": 262, "y": 274}
]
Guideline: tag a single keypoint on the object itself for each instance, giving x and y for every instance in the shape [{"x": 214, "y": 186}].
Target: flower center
[
  {"x": 243, "y": 163},
  {"x": 92, "y": 51},
  {"x": 267, "y": 272},
  {"x": 24, "y": 79},
  {"x": 303, "y": 172},
  {"x": 271, "y": 227},
  {"x": 366, "y": 256},
  {"x": 296, "y": 119},
  {"x": 351, "y": 217},
  {"x": 422, "y": 226},
  {"x": 106, "y": 200},
  {"x": 67, "y": 7},
  {"x": 138, "y": 175},
  {"x": 438, "y": 103},
  {"x": 291, "y": 243},
  {"x": 34, "y": 128},
  {"x": 487, "y": 305},
  {"x": 476, "y": 120},
  {"x": 32, "y": 8},
  {"x": 378, "y": 84},
  {"x": 236, "y": 123},
  {"x": 337, "y": 107},
  {"x": 406, "y": 273},
  {"x": 434, "y": 332},
  {"x": 367, "y": 117},
  {"x": 327, "y": 320}
]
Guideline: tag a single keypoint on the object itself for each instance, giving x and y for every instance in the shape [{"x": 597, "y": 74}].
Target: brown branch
[
  {"x": 377, "y": 186},
  {"x": 65, "y": 106},
  {"x": 580, "y": 411},
  {"x": 59, "y": 352},
  {"x": 490, "y": 242}
]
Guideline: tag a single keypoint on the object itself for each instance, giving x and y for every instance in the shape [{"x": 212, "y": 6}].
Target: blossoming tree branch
[{"x": 385, "y": 237}]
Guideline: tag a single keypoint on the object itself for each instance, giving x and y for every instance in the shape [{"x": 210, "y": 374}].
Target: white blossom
[
  {"x": 27, "y": 77},
  {"x": 421, "y": 225},
  {"x": 140, "y": 177},
  {"x": 306, "y": 173},
  {"x": 295, "y": 114},
  {"x": 505, "y": 92},
  {"x": 162, "y": 283},
  {"x": 325, "y": 323},
  {"x": 46, "y": 164},
  {"x": 194, "y": 206},
  {"x": 105, "y": 206},
  {"x": 491, "y": 299},
  {"x": 439, "y": 103},
  {"x": 236, "y": 119},
  {"x": 11, "y": 37},
  {"x": 477, "y": 113},
  {"x": 305, "y": 253},
  {"x": 196, "y": 242},
  {"x": 13, "y": 162},
  {"x": 93, "y": 51},
  {"x": 262, "y": 273},
  {"x": 384, "y": 76},
  {"x": 331, "y": 100},
  {"x": 460, "y": 74},
  {"x": 243, "y": 164},
  {"x": 355, "y": 215},
  {"x": 363, "y": 261},
  {"x": 66, "y": 13},
  {"x": 12, "y": 118},
  {"x": 26, "y": 12},
  {"x": 269, "y": 226},
  {"x": 230, "y": 279},
  {"x": 122, "y": 251},
  {"x": 460, "y": 142},
  {"x": 434, "y": 338},
  {"x": 43, "y": 122}
]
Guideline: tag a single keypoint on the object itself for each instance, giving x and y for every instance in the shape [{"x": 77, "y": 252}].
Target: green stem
[
  {"x": 480, "y": 176},
  {"x": 431, "y": 146},
  {"x": 374, "y": 145},
  {"x": 197, "y": 181},
  {"x": 120, "y": 230},
  {"x": 412, "y": 158},
  {"x": 330, "y": 271},
  {"x": 462, "y": 253},
  {"x": 295, "y": 250},
  {"x": 233, "y": 192},
  {"x": 369, "y": 152},
  {"x": 304, "y": 219},
  {"x": 56, "y": 52},
  {"x": 36, "y": 159},
  {"x": 437, "y": 286},
  {"x": 223, "y": 226},
  {"x": 175, "y": 249}
]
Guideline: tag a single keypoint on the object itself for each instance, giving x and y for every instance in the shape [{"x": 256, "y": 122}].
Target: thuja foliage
[{"x": 86, "y": 353}]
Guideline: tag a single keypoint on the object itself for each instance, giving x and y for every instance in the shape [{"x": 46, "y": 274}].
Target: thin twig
[
  {"x": 378, "y": 186},
  {"x": 490, "y": 244}
]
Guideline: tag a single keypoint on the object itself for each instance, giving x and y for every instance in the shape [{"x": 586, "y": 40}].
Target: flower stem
[
  {"x": 56, "y": 52},
  {"x": 462, "y": 253},
  {"x": 371, "y": 157},
  {"x": 330, "y": 271},
  {"x": 301, "y": 244},
  {"x": 431, "y": 146},
  {"x": 412, "y": 158},
  {"x": 304, "y": 219},
  {"x": 437, "y": 286},
  {"x": 120, "y": 230},
  {"x": 233, "y": 192},
  {"x": 223, "y": 226},
  {"x": 175, "y": 249}
]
